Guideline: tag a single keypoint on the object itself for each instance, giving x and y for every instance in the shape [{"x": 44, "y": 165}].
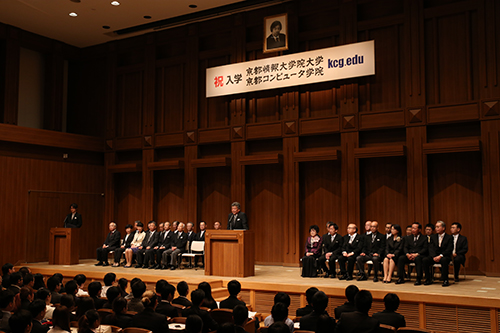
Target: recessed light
[
  {"x": 193, "y": 6},
  {"x": 73, "y": 14},
  {"x": 106, "y": 27},
  {"x": 115, "y": 3},
  {"x": 77, "y": 1},
  {"x": 147, "y": 17}
]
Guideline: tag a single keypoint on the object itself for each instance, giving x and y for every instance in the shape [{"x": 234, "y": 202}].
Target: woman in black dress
[
  {"x": 313, "y": 251},
  {"x": 393, "y": 248}
]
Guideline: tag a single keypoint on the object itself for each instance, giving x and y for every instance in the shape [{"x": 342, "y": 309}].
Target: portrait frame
[{"x": 275, "y": 45}]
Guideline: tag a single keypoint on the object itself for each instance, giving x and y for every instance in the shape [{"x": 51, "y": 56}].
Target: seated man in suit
[
  {"x": 178, "y": 246},
  {"x": 460, "y": 248},
  {"x": 197, "y": 297},
  {"x": 20, "y": 322},
  {"x": 183, "y": 290},
  {"x": 240, "y": 317},
  {"x": 373, "y": 248},
  {"x": 37, "y": 309},
  {"x": 429, "y": 230},
  {"x": 416, "y": 247},
  {"x": 200, "y": 237},
  {"x": 351, "y": 248},
  {"x": 111, "y": 243},
  {"x": 440, "y": 252},
  {"x": 300, "y": 312},
  {"x": 359, "y": 321},
  {"x": 388, "y": 227},
  {"x": 191, "y": 236},
  {"x": 145, "y": 254},
  {"x": 95, "y": 289},
  {"x": 332, "y": 246},
  {"x": 237, "y": 219},
  {"x": 350, "y": 293},
  {"x": 126, "y": 243},
  {"x": 165, "y": 306},
  {"x": 310, "y": 322},
  {"x": 234, "y": 288},
  {"x": 164, "y": 243},
  {"x": 152, "y": 254},
  {"x": 389, "y": 316},
  {"x": 6, "y": 306}
]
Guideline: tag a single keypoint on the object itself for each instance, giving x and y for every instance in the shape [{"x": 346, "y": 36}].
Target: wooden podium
[
  {"x": 64, "y": 246},
  {"x": 230, "y": 253}
]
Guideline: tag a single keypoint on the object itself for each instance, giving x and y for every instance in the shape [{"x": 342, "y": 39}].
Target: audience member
[
  {"x": 86, "y": 304},
  {"x": 310, "y": 321},
  {"x": 351, "y": 248},
  {"x": 208, "y": 301},
  {"x": 118, "y": 317},
  {"x": 80, "y": 281},
  {"x": 165, "y": 306},
  {"x": 132, "y": 282},
  {"x": 111, "y": 294},
  {"x": 279, "y": 312},
  {"x": 278, "y": 327},
  {"x": 94, "y": 292},
  {"x": 160, "y": 284},
  {"x": 183, "y": 290},
  {"x": 197, "y": 297},
  {"x": 28, "y": 280},
  {"x": 136, "y": 303},
  {"x": 44, "y": 295},
  {"x": 148, "y": 318},
  {"x": 359, "y": 321},
  {"x": 26, "y": 296},
  {"x": 72, "y": 289},
  {"x": 125, "y": 244},
  {"x": 194, "y": 324},
  {"x": 21, "y": 322},
  {"x": 350, "y": 293},
  {"x": 300, "y": 312},
  {"x": 393, "y": 249},
  {"x": 389, "y": 316},
  {"x": 16, "y": 282},
  {"x": 89, "y": 322},
  {"x": 111, "y": 243},
  {"x": 109, "y": 280},
  {"x": 332, "y": 246},
  {"x": 135, "y": 245},
  {"x": 38, "y": 309},
  {"x": 234, "y": 288},
  {"x": 280, "y": 297},
  {"x": 69, "y": 302},
  {"x": 7, "y": 306},
  {"x": 39, "y": 281},
  {"x": 60, "y": 320},
  {"x": 240, "y": 318},
  {"x": 7, "y": 270},
  {"x": 54, "y": 286},
  {"x": 460, "y": 249}
]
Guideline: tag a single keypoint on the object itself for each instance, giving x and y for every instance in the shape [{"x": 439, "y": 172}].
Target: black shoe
[
  {"x": 138, "y": 266},
  {"x": 343, "y": 277},
  {"x": 326, "y": 276},
  {"x": 105, "y": 263},
  {"x": 172, "y": 268},
  {"x": 418, "y": 282},
  {"x": 400, "y": 281},
  {"x": 427, "y": 282},
  {"x": 446, "y": 283},
  {"x": 99, "y": 263},
  {"x": 375, "y": 278},
  {"x": 163, "y": 267},
  {"x": 349, "y": 278},
  {"x": 153, "y": 266},
  {"x": 363, "y": 277},
  {"x": 332, "y": 276},
  {"x": 145, "y": 266}
]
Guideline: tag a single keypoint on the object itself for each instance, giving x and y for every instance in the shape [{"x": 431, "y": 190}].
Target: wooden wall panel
[
  {"x": 128, "y": 193},
  {"x": 169, "y": 93},
  {"x": 21, "y": 174},
  {"x": 264, "y": 185},
  {"x": 320, "y": 198},
  {"x": 383, "y": 187},
  {"x": 129, "y": 100},
  {"x": 456, "y": 194},
  {"x": 169, "y": 195},
  {"x": 214, "y": 195}
]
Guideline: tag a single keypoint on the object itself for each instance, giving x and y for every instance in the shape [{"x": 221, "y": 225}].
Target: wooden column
[
  {"x": 147, "y": 185},
  {"x": 237, "y": 174},
  {"x": 350, "y": 180},
  {"x": 109, "y": 189},
  {"x": 190, "y": 185},
  {"x": 418, "y": 201},
  {"x": 291, "y": 215}
]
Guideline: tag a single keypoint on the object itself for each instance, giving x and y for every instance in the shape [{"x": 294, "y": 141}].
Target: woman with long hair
[
  {"x": 208, "y": 301},
  {"x": 60, "y": 320},
  {"x": 89, "y": 322},
  {"x": 313, "y": 251},
  {"x": 393, "y": 248},
  {"x": 118, "y": 317}
]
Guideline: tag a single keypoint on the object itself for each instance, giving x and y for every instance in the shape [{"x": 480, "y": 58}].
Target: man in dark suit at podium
[
  {"x": 237, "y": 219},
  {"x": 73, "y": 219},
  {"x": 111, "y": 243}
]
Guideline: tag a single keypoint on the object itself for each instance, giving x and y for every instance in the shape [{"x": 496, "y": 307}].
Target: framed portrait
[{"x": 276, "y": 33}]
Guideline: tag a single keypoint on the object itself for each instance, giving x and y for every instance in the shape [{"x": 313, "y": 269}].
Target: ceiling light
[
  {"x": 106, "y": 27},
  {"x": 73, "y": 14},
  {"x": 147, "y": 17},
  {"x": 193, "y": 6},
  {"x": 115, "y": 3},
  {"x": 77, "y": 1}
]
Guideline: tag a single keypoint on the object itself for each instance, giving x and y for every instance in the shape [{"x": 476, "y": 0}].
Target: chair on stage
[{"x": 198, "y": 247}]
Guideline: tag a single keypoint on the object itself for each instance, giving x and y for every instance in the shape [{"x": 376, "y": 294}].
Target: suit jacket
[
  {"x": 208, "y": 323},
  {"x": 446, "y": 248},
  {"x": 182, "y": 301},
  {"x": 113, "y": 239},
  {"x": 4, "y": 321},
  {"x": 356, "y": 246},
  {"x": 310, "y": 322},
  {"x": 301, "y": 312},
  {"x": 98, "y": 302},
  {"x": 357, "y": 322},
  {"x": 75, "y": 222},
  {"x": 122, "y": 320},
  {"x": 462, "y": 246},
  {"x": 151, "y": 239},
  {"x": 166, "y": 239},
  {"x": 166, "y": 309},
  {"x": 181, "y": 241},
  {"x": 127, "y": 240},
  {"x": 200, "y": 236},
  {"x": 230, "y": 303},
  {"x": 191, "y": 236},
  {"x": 390, "y": 318},
  {"x": 335, "y": 247},
  {"x": 346, "y": 307},
  {"x": 241, "y": 221},
  {"x": 150, "y": 320},
  {"x": 375, "y": 246},
  {"x": 421, "y": 246},
  {"x": 38, "y": 327},
  {"x": 273, "y": 44},
  {"x": 394, "y": 247}
]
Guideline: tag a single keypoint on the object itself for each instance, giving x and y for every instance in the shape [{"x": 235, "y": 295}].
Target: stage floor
[{"x": 276, "y": 276}]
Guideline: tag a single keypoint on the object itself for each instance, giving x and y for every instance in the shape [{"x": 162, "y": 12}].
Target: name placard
[{"x": 334, "y": 63}]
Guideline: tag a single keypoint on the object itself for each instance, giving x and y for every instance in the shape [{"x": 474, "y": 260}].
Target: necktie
[
  {"x": 440, "y": 239},
  {"x": 351, "y": 239},
  {"x": 234, "y": 222},
  {"x": 414, "y": 241},
  {"x": 373, "y": 238},
  {"x": 455, "y": 244}
]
